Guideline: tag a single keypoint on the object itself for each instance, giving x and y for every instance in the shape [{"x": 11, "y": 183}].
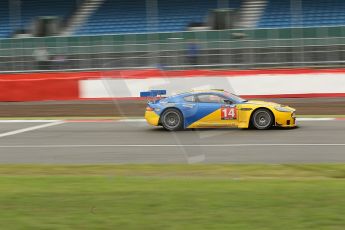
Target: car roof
[{"x": 193, "y": 92}]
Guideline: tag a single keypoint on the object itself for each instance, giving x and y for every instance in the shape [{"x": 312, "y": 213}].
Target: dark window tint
[
  {"x": 210, "y": 98},
  {"x": 189, "y": 98}
]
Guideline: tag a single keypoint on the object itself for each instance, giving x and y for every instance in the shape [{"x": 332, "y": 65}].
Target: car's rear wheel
[
  {"x": 172, "y": 120},
  {"x": 262, "y": 119}
]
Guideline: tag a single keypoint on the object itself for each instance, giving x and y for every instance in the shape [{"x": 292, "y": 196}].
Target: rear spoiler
[{"x": 153, "y": 95}]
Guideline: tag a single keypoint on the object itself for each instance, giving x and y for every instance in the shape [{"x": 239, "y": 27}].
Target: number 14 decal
[{"x": 228, "y": 113}]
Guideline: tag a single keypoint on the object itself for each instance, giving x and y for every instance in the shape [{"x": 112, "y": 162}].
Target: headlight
[{"x": 282, "y": 109}]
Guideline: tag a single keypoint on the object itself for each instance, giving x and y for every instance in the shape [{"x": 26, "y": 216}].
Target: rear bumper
[{"x": 152, "y": 118}]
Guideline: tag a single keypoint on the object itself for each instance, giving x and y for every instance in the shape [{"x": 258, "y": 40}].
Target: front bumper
[{"x": 285, "y": 119}]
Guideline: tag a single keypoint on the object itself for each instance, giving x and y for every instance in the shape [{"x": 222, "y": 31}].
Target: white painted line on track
[
  {"x": 28, "y": 121},
  {"x": 315, "y": 119},
  {"x": 298, "y": 119},
  {"x": 30, "y": 128},
  {"x": 173, "y": 145},
  {"x": 140, "y": 120},
  {"x": 132, "y": 120}
]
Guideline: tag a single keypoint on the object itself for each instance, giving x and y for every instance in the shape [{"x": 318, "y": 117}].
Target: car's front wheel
[
  {"x": 172, "y": 120},
  {"x": 262, "y": 119}
]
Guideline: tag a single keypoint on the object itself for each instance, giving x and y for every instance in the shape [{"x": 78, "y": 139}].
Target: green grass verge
[{"x": 172, "y": 196}]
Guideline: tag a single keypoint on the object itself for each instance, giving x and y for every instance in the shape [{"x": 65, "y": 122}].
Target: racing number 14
[{"x": 228, "y": 113}]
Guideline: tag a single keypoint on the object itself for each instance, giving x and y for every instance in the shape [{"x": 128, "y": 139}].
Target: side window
[
  {"x": 189, "y": 98},
  {"x": 210, "y": 98}
]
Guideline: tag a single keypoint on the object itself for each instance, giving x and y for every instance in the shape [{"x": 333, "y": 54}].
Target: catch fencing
[{"x": 235, "y": 49}]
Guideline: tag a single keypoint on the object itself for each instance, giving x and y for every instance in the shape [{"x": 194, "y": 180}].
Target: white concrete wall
[{"x": 264, "y": 84}]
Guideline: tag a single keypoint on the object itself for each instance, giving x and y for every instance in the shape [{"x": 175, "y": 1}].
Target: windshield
[{"x": 234, "y": 97}]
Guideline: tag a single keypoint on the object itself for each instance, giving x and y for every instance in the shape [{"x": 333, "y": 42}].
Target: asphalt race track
[{"x": 86, "y": 142}]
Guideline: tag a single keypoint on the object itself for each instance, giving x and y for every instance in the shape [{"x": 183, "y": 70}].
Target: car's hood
[
  {"x": 266, "y": 103},
  {"x": 263, "y": 103}
]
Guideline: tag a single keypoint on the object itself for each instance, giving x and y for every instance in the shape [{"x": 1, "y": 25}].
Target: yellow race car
[{"x": 214, "y": 109}]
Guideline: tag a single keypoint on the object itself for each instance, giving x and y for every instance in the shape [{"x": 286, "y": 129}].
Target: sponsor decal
[{"x": 188, "y": 105}]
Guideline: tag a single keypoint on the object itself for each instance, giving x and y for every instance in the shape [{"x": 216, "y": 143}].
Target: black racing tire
[
  {"x": 172, "y": 119},
  {"x": 262, "y": 119}
]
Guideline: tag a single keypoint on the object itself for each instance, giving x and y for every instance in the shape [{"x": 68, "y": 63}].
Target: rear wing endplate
[{"x": 153, "y": 94}]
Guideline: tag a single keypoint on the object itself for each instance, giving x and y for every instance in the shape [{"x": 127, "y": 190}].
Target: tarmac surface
[
  {"x": 130, "y": 108},
  {"x": 129, "y": 141}
]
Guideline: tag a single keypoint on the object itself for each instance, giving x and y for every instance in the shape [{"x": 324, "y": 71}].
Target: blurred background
[{"x": 55, "y": 35}]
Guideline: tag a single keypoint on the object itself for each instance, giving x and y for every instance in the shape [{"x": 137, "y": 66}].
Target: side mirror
[{"x": 226, "y": 101}]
